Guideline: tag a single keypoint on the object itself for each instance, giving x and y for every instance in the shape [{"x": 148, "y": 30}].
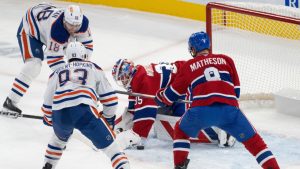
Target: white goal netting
[{"x": 264, "y": 42}]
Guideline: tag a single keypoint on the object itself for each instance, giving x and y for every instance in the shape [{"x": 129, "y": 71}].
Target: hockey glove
[
  {"x": 160, "y": 99},
  {"x": 47, "y": 120},
  {"x": 110, "y": 121}
]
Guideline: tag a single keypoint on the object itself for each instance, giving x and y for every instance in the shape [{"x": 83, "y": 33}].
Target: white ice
[{"x": 143, "y": 37}]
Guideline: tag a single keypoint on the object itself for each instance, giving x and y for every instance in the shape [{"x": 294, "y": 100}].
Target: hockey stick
[
  {"x": 147, "y": 96},
  {"x": 13, "y": 115}
]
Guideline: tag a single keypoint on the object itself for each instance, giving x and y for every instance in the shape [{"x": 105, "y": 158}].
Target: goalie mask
[{"x": 122, "y": 72}]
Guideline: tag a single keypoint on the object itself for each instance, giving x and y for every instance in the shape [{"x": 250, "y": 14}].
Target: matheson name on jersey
[{"x": 208, "y": 61}]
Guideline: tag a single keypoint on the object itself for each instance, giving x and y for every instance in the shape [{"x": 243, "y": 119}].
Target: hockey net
[{"x": 263, "y": 40}]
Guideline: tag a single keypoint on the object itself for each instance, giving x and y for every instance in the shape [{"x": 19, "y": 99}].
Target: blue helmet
[{"x": 197, "y": 42}]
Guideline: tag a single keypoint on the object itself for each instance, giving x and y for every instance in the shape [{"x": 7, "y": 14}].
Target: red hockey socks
[
  {"x": 181, "y": 146},
  {"x": 257, "y": 147}
]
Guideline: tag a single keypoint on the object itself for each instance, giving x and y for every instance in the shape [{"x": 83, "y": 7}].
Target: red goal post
[{"x": 264, "y": 41}]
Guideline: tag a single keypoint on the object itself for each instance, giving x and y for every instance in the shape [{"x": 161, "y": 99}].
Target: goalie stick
[
  {"x": 14, "y": 115},
  {"x": 146, "y": 96}
]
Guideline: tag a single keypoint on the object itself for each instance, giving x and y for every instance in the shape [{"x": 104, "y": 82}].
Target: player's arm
[
  {"x": 235, "y": 78},
  {"x": 107, "y": 95},
  {"x": 55, "y": 55},
  {"x": 176, "y": 89},
  {"x": 85, "y": 37},
  {"x": 48, "y": 98}
]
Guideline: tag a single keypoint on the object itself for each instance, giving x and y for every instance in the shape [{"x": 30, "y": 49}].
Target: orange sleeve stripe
[
  {"x": 46, "y": 112},
  {"x": 89, "y": 46},
  {"x": 108, "y": 100},
  {"x": 54, "y": 60}
]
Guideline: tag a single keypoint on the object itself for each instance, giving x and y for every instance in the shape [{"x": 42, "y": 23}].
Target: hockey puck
[{"x": 140, "y": 147}]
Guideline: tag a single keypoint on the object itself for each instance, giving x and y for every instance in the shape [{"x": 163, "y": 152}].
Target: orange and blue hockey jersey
[
  {"x": 79, "y": 82},
  {"x": 44, "y": 22}
]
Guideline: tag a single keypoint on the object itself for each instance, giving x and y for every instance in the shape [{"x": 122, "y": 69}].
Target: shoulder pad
[
  {"x": 85, "y": 25},
  {"x": 58, "y": 32},
  {"x": 96, "y": 66}
]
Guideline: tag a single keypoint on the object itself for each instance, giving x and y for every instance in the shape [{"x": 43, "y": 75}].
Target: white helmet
[
  {"x": 73, "y": 15},
  {"x": 76, "y": 50}
]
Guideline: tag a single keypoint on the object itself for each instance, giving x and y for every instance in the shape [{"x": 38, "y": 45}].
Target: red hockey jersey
[
  {"x": 212, "y": 78},
  {"x": 148, "y": 80}
]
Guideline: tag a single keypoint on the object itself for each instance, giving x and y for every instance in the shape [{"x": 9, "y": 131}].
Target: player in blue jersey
[
  {"x": 71, "y": 102},
  {"x": 215, "y": 90},
  {"x": 52, "y": 27}
]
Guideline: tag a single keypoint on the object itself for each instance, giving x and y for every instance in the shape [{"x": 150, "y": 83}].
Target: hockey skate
[
  {"x": 47, "y": 166},
  {"x": 10, "y": 109},
  {"x": 184, "y": 165}
]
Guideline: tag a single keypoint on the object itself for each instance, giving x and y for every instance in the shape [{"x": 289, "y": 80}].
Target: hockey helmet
[
  {"x": 198, "y": 41},
  {"x": 73, "y": 17},
  {"x": 123, "y": 71},
  {"x": 76, "y": 50}
]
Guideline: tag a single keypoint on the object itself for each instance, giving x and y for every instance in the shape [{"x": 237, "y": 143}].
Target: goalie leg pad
[
  {"x": 128, "y": 139},
  {"x": 225, "y": 139},
  {"x": 125, "y": 122}
]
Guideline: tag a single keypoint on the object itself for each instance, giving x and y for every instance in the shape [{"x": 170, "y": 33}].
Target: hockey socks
[
  {"x": 29, "y": 72},
  {"x": 117, "y": 157},
  {"x": 264, "y": 157},
  {"x": 181, "y": 146},
  {"x": 54, "y": 151}
]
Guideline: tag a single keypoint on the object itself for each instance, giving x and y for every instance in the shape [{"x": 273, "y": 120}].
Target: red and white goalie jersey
[{"x": 148, "y": 80}]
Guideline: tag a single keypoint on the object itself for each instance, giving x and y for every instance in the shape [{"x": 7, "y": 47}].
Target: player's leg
[
  {"x": 97, "y": 130},
  {"x": 208, "y": 135},
  {"x": 63, "y": 128},
  {"x": 240, "y": 127},
  {"x": 53, "y": 152},
  {"x": 188, "y": 126},
  {"x": 181, "y": 147},
  {"x": 32, "y": 54}
]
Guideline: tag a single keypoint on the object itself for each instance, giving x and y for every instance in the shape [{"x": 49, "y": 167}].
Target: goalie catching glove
[{"x": 160, "y": 98}]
